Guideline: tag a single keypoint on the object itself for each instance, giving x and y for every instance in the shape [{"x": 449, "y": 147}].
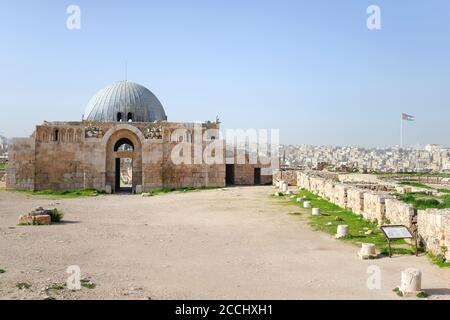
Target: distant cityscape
[
  {"x": 430, "y": 158},
  {"x": 422, "y": 159}
]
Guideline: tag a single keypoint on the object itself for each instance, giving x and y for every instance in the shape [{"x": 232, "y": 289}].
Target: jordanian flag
[{"x": 407, "y": 117}]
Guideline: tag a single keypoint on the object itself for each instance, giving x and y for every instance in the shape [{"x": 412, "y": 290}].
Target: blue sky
[{"x": 309, "y": 68}]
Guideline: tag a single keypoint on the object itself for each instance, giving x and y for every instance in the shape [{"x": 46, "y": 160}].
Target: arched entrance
[{"x": 123, "y": 161}]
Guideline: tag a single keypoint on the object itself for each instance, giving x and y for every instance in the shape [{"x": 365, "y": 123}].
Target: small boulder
[{"x": 31, "y": 219}]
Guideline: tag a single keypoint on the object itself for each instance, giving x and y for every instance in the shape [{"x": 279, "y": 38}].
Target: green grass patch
[
  {"x": 57, "y": 286},
  {"x": 423, "y": 200},
  {"x": 2, "y": 165},
  {"x": 160, "y": 191},
  {"x": 23, "y": 285},
  {"x": 422, "y": 295},
  {"x": 439, "y": 260},
  {"x": 360, "y": 230},
  {"x": 86, "y": 283},
  {"x": 444, "y": 190},
  {"x": 63, "y": 194},
  {"x": 398, "y": 292},
  {"x": 415, "y": 184}
]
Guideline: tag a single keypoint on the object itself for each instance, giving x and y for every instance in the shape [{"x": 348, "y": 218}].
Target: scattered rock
[{"x": 30, "y": 219}]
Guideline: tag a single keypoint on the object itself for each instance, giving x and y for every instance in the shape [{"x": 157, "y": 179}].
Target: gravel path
[{"x": 236, "y": 243}]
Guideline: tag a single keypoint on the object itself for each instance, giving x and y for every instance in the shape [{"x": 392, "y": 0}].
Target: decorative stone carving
[
  {"x": 152, "y": 132},
  {"x": 93, "y": 132}
]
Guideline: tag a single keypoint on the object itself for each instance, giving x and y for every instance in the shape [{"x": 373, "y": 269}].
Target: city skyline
[{"x": 325, "y": 79}]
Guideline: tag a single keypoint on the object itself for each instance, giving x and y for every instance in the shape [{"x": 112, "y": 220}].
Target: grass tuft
[
  {"x": 78, "y": 193},
  {"x": 439, "y": 260},
  {"x": 86, "y": 283},
  {"x": 398, "y": 292},
  {"x": 23, "y": 285},
  {"x": 422, "y": 295},
  {"x": 160, "y": 191}
]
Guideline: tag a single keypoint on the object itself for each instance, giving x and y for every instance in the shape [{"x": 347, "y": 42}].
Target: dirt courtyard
[{"x": 235, "y": 243}]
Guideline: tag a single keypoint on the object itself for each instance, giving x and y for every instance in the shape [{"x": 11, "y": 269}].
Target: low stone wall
[
  {"x": 434, "y": 230},
  {"x": 328, "y": 190},
  {"x": 289, "y": 176},
  {"x": 355, "y": 200},
  {"x": 398, "y": 212},
  {"x": 375, "y": 207},
  {"x": 303, "y": 181},
  {"x": 340, "y": 195},
  {"x": 433, "y": 226}
]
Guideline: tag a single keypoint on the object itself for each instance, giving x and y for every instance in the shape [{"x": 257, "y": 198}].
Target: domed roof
[{"x": 123, "y": 101}]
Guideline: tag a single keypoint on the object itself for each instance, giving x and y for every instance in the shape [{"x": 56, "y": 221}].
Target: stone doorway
[
  {"x": 229, "y": 174},
  {"x": 124, "y": 175},
  {"x": 257, "y": 176},
  {"x": 124, "y": 162}
]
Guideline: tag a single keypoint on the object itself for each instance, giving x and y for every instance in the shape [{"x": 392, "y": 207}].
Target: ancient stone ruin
[
  {"x": 373, "y": 200},
  {"x": 38, "y": 216}
]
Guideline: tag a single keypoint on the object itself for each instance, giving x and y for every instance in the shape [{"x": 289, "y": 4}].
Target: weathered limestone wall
[
  {"x": 434, "y": 230},
  {"x": 328, "y": 190},
  {"x": 340, "y": 195},
  {"x": 433, "y": 225},
  {"x": 375, "y": 207},
  {"x": 400, "y": 213},
  {"x": 244, "y": 174},
  {"x": 59, "y": 159},
  {"x": 358, "y": 178},
  {"x": 289, "y": 176},
  {"x": 355, "y": 200},
  {"x": 72, "y": 155},
  {"x": 303, "y": 181},
  {"x": 20, "y": 172}
]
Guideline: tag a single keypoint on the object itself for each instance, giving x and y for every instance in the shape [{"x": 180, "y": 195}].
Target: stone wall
[
  {"x": 400, "y": 213},
  {"x": 434, "y": 230},
  {"x": 289, "y": 176},
  {"x": 75, "y": 155},
  {"x": 433, "y": 226},
  {"x": 340, "y": 195},
  {"x": 375, "y": 207},
  {"x": 20, "y": 171},
  {"x": 355, "y": 200}
]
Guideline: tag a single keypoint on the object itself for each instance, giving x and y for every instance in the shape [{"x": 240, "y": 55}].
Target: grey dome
[{"x": 123, "y": 99}]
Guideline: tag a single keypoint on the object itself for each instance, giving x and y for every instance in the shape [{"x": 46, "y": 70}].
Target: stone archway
[{"x": 113, "y": 154}]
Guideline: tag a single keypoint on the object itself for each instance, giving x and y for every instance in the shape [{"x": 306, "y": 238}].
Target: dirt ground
[{"x": 236, "y": 243}]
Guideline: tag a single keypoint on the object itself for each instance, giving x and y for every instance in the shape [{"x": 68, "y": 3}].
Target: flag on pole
[{"x": 407, "y": 117}]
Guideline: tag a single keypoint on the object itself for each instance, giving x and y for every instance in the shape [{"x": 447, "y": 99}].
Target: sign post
[{"x": 395, "y": 232}]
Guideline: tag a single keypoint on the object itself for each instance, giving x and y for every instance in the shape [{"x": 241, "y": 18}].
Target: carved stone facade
[{"x": 78, "y": 155}]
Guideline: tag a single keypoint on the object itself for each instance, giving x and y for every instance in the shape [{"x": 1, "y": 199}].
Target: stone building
[{"x": 124, "y": 121}]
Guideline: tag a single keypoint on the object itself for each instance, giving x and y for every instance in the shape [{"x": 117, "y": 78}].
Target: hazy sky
[{"x": 310, "y": 68}]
